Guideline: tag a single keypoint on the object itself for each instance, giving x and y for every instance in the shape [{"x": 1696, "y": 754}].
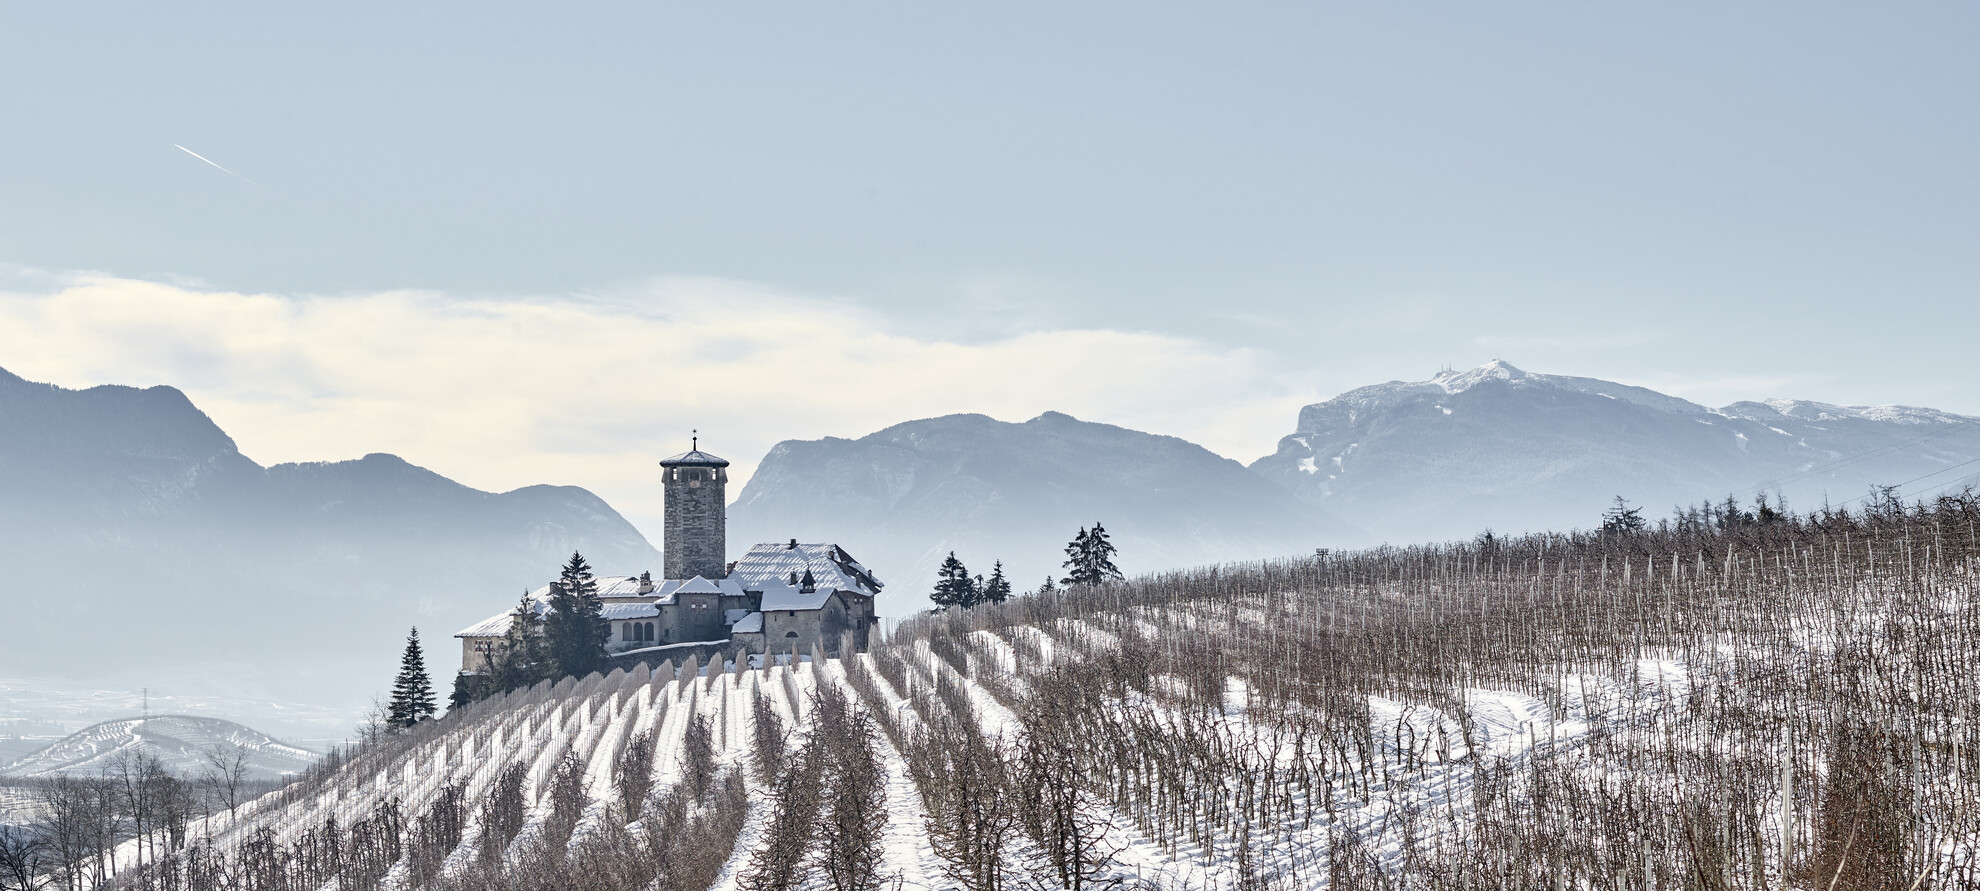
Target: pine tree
[
  {"x": 1050, "y": 586},
  {"x": 998, "y": 588},
  {"x": 954, "y": 586},
  {"x": 1075, "y": 560},
  {"x": 1100, "y": 556},
  {"x": 521, "y": 659},
  {"x": 575, "y": 632},
  {"x": 1090, "y": 559},
  {"x": 1621, "y": 519},
  {"x": 412, "y": 694}
]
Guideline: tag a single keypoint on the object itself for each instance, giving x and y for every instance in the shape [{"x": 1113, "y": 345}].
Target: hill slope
[
  {"x": 1557, "y": 711},
  {"x": 182, "y": 742},
  {"x": 902, "y": 498},
  {"x": 1499, "y": 447},
  {"x": 141, "y": 536}
]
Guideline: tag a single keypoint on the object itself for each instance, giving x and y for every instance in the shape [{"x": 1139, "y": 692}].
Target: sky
[{"x": 529, "y": 243}]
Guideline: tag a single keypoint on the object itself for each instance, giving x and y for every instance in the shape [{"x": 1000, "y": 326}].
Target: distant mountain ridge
[
  {"x": 140, "y": 535},
  {"x": 181, "y": 742},
  {"x": 900, "y": 499},
  {"x": 1499, "y": 447}
]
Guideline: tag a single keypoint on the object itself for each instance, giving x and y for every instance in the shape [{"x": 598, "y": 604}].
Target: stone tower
[{"x": 696, "y": 537}]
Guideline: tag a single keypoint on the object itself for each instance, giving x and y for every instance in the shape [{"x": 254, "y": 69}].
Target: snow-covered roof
[
  {"x": 774, "y": 563},
  {"x": 615, "y": 586},
  {"x": 749, "y": 624},
  {"x": 498, "y": 625},
  {"x": 617, "y": 611},
  {"x": 781, "y": 596},
  {"x": 694, "y": 458},
  {"x": 697, "y": 585},
  {"x": 666, "y": 589}
]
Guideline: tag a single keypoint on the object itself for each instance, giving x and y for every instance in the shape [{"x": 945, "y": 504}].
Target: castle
[{"x": 779, "y": 597}]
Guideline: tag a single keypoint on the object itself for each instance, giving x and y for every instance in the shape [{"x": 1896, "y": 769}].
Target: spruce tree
[
  {"x": 998, "y": 588},
  {"x": 1075, "y": 560},
  {"x": 575, "y": 632},
  {"x": 953, "y": 587},
  {"x": 412, "y": 694},
  {"x": 521, "y": 659},
  {"x": 1090, "y": 559},
  {"x": 1100, "y": 556}
]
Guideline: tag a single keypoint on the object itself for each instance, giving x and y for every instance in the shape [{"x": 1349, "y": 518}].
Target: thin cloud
[{"x": 500, "y": 394}]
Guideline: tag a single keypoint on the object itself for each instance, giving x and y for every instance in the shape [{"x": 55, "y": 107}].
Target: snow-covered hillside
[
  {"x": 184, "y": 744},
  {"x": 1748, "y": 707}
]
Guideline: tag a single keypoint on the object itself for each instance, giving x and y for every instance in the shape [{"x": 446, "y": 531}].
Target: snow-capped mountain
[
  {"x": 138, "y": 544},
  {"x": 902, "y": 498},
  {"x": 1499, "y": 447},
  {"x": 182, "y": 742}
]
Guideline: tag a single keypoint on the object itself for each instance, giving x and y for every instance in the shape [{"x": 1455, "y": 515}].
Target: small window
[
  {"x": 791, "y": 613},
  {"x": 790, "y": 634},
  {"x": 627, "y": 632}
]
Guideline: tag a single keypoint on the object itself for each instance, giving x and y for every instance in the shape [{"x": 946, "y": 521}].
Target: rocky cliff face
[
  {"x": 134, "y": 534},
  {"x": 902, "y": 498},
  {"x": 1499, "y": 447}
]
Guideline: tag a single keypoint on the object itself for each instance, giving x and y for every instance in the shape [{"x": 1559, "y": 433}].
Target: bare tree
[
  {"x": 226, "y": 775},
  {"x": 24, "y": 860}
]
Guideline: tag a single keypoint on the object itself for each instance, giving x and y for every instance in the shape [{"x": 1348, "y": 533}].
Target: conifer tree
[
  {"x": 1090, "y": 558},
  {"x": 521, "y": 660},
  {"x": 998, "y": 588},
  {"x": 1075, "y": 560},
  {"x": 954, "y": 587},
  {"x": 575, "y": 632},
  {"x": 412, "y": 694},
  {"x": 1100, "y": 556}
]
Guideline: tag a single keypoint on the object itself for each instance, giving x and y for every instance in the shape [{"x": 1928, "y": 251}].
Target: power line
[
  {"x": 1839, "y": 463},
  {"x": 1917, "y": 478}
]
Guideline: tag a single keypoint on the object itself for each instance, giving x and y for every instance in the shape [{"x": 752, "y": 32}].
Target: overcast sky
[{"x": 524, "y": 244}]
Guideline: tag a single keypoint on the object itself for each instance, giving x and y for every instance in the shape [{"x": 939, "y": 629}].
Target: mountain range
[
  {"x": 139, "y": 547},
  {"x": 1498, "y": 447},
  {"x": 902, "y": 498},
  {"x": 137, "y": 541}
]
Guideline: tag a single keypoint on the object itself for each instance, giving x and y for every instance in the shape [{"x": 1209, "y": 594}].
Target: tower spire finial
[{"x": 694, "y": 442}]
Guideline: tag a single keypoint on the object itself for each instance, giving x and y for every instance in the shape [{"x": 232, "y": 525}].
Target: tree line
[{"x": 1089, "y": 561}]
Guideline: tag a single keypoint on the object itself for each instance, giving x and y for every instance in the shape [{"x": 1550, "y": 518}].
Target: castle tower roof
[{"x": 694, "y": 458}]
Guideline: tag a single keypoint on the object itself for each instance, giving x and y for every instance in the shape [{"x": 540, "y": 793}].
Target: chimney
[
  {"x": 646, "y": 583},
  {"x": 794, "y": 578},
  {"x": 792, "y": 546}
]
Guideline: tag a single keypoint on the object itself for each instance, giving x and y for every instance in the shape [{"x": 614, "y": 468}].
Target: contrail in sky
[{"x": 216, "y": 166}]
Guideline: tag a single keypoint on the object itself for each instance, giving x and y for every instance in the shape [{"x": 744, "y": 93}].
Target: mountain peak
[{"x": 1495, "y": 370}]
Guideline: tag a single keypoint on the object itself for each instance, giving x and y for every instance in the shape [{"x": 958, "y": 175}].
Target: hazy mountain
[
  {"x": 902, "y": 498},
  {"x": 137, "y": 542},
  {"x": 1499, "y": 447},
  {"x": 180, "y": 741}
]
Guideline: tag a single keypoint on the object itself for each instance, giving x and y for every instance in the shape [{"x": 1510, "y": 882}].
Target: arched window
[
  {"x": 626, "y": 632},
  {"x": 648, "y": 631},
  {"x": 790, "y": 634}
]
